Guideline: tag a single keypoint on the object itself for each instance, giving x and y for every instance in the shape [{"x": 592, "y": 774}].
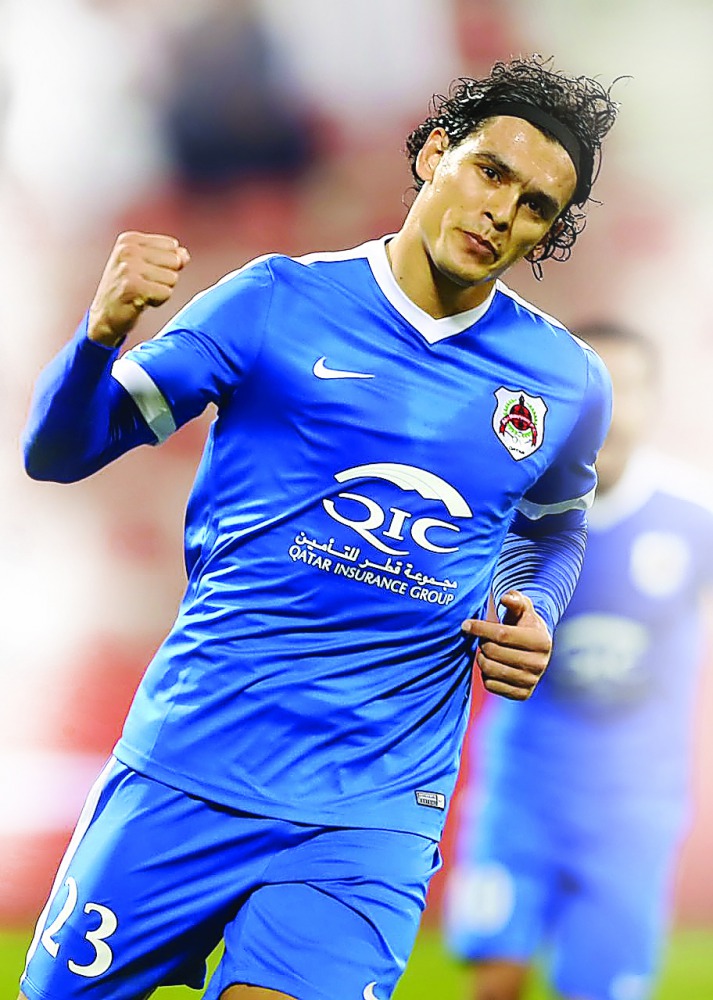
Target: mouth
[{"x": 480, "y": 246}]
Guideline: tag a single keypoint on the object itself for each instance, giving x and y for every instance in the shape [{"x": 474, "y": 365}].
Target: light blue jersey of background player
[{"x": 569, "y": 833}]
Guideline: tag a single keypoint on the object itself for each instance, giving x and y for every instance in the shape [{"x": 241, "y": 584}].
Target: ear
[
  {"x": 537, "y": 253},
  {"x": 431, "y": 153}
]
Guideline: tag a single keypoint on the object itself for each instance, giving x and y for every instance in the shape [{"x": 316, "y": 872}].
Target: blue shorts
[
  {"x": 589, "y": 887},
  {"x": 153, "y": 879}
]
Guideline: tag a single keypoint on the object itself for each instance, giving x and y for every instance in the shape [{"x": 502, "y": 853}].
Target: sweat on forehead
[{"x": 580, "y": 157}]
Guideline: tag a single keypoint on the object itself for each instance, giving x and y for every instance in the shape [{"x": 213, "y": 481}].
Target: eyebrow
[{"x": 547, "y": 203}]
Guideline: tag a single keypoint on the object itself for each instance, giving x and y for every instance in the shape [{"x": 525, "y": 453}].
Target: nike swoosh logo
[
  {"x": 321, "y": 371},
  {"x": 368, "y": 993}
]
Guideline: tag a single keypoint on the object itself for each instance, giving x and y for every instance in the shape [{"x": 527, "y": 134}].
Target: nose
[{"x": 501, "y": 208}]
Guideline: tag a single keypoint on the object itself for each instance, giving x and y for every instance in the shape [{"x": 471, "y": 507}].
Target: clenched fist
[{"x": 142, "y": 271}]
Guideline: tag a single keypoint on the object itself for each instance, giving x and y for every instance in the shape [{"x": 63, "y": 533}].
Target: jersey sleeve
[
  {"x": 543, "y": 559},
  {"x": 544, "y": 548},
  {"x": 202, "y": 354},
  {"x": 79, "y": 419},
  {"x": 570, "y": 482},
  {"x": 88, "y": 408}
]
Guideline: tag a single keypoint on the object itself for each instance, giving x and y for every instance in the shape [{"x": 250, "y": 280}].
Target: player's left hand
[{"x": 512, "y": 655}]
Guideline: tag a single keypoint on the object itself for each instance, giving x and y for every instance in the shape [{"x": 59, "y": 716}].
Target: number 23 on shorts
[{"x": 97, "y": 937}]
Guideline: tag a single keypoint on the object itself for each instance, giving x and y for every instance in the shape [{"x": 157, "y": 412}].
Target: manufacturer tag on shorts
[{"x": 434, "y": 800}]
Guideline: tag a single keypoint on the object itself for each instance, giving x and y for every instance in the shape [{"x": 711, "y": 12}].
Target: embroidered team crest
[{"x": 519, "y": 421}]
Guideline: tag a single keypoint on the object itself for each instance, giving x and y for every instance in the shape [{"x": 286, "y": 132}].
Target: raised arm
[{"x": 80, "y": 417}]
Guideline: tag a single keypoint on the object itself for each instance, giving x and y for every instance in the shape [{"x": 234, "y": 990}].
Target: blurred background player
[{"x": 578, "y": 799}]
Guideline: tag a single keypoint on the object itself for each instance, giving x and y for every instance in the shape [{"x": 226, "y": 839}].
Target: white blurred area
[{"x": 246, "y": 127}]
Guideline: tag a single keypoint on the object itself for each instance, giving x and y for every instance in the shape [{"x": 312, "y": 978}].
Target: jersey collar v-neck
[{"x": 432, "y": 330}]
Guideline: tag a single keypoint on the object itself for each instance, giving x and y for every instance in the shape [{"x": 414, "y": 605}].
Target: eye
[
  {"x": 490, "y": 172},
  {"x": 536, "y": 207}
]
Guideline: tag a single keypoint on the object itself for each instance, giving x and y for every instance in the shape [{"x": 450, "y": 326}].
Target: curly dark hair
[{"x": 581, "y": 104}]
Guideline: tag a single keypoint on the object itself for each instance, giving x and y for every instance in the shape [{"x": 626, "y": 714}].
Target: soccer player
[
  {"x": 396, "y": 433},
  {"x": 578, "y": 799}
]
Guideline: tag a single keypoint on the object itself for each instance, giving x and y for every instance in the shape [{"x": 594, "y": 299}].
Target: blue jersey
[
  {"x": 613, "y": 712},
  {"x": 354, "y": 493}
]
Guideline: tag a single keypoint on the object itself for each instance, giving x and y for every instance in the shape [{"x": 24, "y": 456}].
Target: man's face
[
  {"x": 634, "y": 395},
  {"x": 491, "y": 199}
]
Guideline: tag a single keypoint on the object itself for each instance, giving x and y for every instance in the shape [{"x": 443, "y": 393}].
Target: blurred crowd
[{"x": 244, "y": 126}]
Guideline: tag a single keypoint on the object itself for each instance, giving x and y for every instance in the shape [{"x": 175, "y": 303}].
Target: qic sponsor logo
[{"x": 385, "y": 528}]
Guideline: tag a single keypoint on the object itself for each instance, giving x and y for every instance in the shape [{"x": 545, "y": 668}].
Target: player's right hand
[
  {"x": 142, "y": 271},
  {"x": 513, "y": 654}
]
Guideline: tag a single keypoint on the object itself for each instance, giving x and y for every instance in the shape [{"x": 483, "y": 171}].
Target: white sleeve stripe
[
  {"x": 537, "y": 510},
  {"x": 146, "y": 394}
]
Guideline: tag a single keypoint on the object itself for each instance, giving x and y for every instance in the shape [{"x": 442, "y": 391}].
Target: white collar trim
[{"x": 432, "y": 330}]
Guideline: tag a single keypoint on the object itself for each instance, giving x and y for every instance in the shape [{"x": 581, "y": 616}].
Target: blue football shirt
[
  {"x": 613, "y": 713},
  {"x": 354, "y": 492}
]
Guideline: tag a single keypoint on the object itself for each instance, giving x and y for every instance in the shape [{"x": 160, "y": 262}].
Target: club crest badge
[{"x": 519, "y": 421}]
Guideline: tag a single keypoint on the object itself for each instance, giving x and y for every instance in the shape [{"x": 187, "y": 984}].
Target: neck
[{"x": 434, "y": 292}]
